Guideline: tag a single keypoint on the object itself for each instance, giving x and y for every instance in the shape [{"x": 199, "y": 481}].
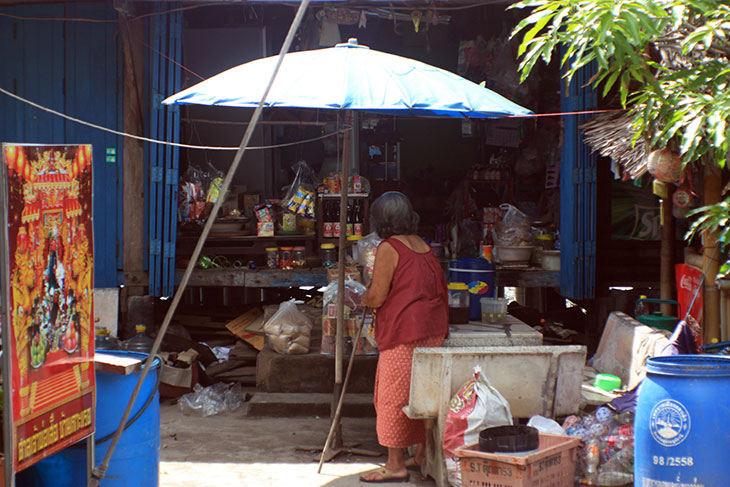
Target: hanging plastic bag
[
  {"x": 352, "y": 318},
  {"x": 475, "y": 406},
  {"x": 367, "y": 247},
  {"x": 515, "y": 228},
  {"x": 300, "y": 199},
  {"x": 289, "y": 330}
]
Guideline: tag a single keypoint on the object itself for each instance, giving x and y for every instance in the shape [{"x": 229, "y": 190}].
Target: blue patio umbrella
[{"x": 350, "y": 76}]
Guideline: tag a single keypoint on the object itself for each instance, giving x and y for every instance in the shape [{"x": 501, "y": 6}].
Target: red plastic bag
[{"x": 476, "y": 406}]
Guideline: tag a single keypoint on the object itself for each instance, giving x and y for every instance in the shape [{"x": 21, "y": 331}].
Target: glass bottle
[
  {"x": 286, "y": 259},
  {"x": 272, "y": 257},
  {"x": 299, "y": 257},
  {"x": 357, "y": 223},
  {"x": 328, "y": 255}
]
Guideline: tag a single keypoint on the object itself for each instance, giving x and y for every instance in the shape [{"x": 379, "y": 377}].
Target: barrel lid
[{"x": 689, "y": 365}]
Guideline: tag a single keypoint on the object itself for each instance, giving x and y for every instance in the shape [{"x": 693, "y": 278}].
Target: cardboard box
[
  {"x": 265, "y": 229},
  {"x": 238, "y": 327},
  {"x": 551, "y": 465}
]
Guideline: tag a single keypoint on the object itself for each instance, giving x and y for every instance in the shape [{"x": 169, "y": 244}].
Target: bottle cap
[
  {"x": 272, "y": 249},
  {"x": 101, "y": 332},
  {"x": 299, "y": 248},
  {"x": 354, "y": 237},
  {"x": 328, "y": 246},
  {"x": 140, "y": 328}
]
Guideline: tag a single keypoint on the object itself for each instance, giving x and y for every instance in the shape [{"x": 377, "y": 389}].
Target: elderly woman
[{"x": 408, "y": 292}]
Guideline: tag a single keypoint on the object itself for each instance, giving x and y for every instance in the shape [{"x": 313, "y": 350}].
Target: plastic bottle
[
  {"x": 593, "y": 458},
  {"x": 619, "y": 469},
  {"x": 139, "y": 342},
  {"x": 641, "y": 307},
  {"x": 104, "y": 341}
]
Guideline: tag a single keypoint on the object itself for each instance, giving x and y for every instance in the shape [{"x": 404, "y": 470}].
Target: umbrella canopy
[{"x": 351, "y": 77}]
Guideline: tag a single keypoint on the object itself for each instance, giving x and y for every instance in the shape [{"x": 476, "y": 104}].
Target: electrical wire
[{"x": 164, "y": 142}]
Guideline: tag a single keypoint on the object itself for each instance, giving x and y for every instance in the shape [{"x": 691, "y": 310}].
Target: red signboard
[{"x": 50, "y": 248}]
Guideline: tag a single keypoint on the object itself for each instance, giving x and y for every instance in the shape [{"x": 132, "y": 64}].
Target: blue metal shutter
[
  {"x": 164, "y": 58},
  {"x": 71, "y": 67},
  {"x": 577, "y": 193}
]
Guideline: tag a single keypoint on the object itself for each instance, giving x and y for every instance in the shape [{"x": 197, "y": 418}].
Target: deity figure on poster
[{"x": 53, "y": 267}]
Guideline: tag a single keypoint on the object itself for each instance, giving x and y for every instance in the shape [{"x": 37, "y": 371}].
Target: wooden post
[
  {"x": 710, "y": 261},
  {"x": 666, "y": 290},
  {"x": 135, "y": 279}
]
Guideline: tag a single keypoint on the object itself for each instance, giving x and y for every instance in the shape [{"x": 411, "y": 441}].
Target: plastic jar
[
  {"x": 286, "y": 259},
  {"x": 458, "y": 303},
  {"x": 329, "y": 258},
  {"x": 352, "y": 242},
  {"x": 272, "y": 257},
  {"x": 299, "y": 257}
]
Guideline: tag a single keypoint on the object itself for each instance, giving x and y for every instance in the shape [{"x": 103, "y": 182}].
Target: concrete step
[
  {"x": 277, "y": 404},
  {"x": 311, "y": 372}
]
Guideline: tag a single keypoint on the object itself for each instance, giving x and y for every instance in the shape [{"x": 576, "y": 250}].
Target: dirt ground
[{"x": 233, "y": 449}]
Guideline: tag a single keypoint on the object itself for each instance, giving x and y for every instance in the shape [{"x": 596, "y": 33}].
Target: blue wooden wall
[
  {"x": 161, "y": 161},
  {"x": 74, "y": 68},
  {"x": 577, "y": 193}
]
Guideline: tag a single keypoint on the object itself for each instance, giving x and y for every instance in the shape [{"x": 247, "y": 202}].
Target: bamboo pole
[
  {"x": 710, "y": 262},
  {"x": 666, "y": 290}
]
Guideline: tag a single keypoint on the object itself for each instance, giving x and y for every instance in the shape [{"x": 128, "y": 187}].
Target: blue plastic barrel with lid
[
  {"x": 681, "y": 422},
  {"x": 135, "y": 461},
  {"x": 479, "y": 275}
]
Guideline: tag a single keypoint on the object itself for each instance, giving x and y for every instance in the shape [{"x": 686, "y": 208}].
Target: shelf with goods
[{"x": 331, "y": 203}]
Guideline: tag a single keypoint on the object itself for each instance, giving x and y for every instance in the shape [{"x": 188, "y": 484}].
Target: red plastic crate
[{"x": 551, "y": 465}]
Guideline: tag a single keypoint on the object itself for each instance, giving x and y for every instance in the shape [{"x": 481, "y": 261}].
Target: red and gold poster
[{"x": 50, "y": 248}]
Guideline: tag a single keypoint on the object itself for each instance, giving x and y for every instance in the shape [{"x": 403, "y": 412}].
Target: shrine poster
[{"x": 50, "y": 248}]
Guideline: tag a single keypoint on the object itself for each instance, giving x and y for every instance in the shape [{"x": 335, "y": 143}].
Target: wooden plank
[
  {"x": 239, "y": 372},
  {"x": 214, "y": 277},
  {"x": 293, "y": 278},
  {"x": 115, "y": 364}
]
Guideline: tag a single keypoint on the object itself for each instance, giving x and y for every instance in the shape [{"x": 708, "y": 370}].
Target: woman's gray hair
[{"x": 392, "y": 214}]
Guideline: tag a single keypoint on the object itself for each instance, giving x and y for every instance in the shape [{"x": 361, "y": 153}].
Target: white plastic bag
[
  {"x": 475, "y": 406},
  {"x": 289, "y": 330},
  {"x": 546, "y": 425},
  {"x": 367, "y": 247}
]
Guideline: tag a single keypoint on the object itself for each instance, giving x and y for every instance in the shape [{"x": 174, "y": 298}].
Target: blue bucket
[
  {"x": 136, "y": 458},
  {"x": 479, "y": 275},
  {"x": 681, "y": 431}
]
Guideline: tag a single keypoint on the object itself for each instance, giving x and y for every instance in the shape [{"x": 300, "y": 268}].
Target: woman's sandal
[
  {"x": 412, "y": 465},
  {"x": 385, "y": 476}
]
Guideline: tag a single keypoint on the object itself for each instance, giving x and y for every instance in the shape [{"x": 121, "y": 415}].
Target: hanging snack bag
[{"x": 300, "y": 198}]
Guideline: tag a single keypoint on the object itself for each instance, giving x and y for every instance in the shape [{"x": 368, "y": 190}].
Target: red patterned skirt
[{"x": 392, "y": 392}]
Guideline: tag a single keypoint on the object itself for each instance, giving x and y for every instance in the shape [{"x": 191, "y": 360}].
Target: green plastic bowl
[{"x": 607, "y": 382}]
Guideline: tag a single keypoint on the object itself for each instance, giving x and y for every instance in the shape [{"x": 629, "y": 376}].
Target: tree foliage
[{"x": 668, "y": 60}]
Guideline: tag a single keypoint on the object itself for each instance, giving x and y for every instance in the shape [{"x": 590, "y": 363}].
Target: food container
[
  {"x": 551, "y": 260},
  {"x": 286, "y": 258},
  {"x": 494, "y": 310},
  {"x": 458, "y": 303},
  {"x": 329, "y": 258},
  {"x": 289, "y": 222},
  {"x": 607, "y": 382},
  {"x": 299, "y": 257},
  {"x": 272, "y": 257},
  {"x": 513, "y": 255}
]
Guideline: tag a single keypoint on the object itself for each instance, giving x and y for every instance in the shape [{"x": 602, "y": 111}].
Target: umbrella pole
[{"x": 341, "y": 261}]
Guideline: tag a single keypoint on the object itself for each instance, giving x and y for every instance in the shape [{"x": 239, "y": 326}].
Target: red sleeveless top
[{"x": 417, "y": 305}]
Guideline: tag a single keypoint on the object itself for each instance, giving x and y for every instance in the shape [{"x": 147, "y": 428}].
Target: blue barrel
[
  {"x": 478, "y": 274},
  {"x": 681, "y": 425},
  {"x": 136, "y": 458}
]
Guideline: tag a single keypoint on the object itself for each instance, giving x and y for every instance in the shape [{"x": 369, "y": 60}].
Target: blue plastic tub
[
  {"x": 681, "y": 432},
  {"x": 136, "y": 459},
  {"x": 479, "y": 275}
]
